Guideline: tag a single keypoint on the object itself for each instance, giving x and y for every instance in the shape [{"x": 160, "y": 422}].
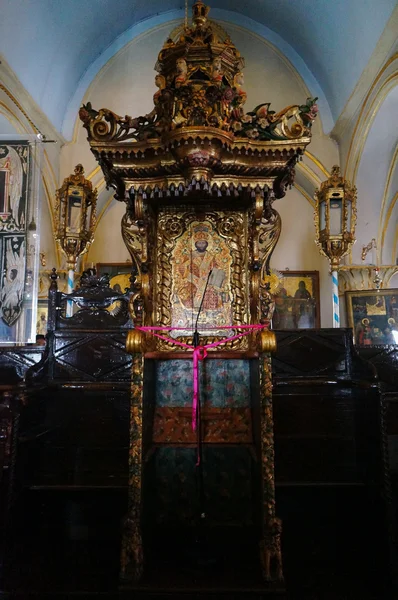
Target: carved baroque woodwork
[
  {"x": 199, "y": 146},
  {"x": 199, "y": 176}
]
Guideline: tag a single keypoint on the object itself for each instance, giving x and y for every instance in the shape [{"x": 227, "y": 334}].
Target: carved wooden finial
[{"x": 53, "y": 279}]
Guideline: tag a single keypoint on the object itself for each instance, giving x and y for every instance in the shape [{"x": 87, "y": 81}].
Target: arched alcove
[
  {"x": 6, "y": 126},
  {"x": 377, "y": 183}
]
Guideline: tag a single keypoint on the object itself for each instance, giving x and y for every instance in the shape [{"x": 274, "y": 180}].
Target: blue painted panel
[{"x": 223, "y": 383}]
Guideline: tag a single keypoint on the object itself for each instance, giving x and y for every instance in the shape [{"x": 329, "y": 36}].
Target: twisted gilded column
[
  {"x": 270, "y": 543},
  {"x": 132, "y": 553}
]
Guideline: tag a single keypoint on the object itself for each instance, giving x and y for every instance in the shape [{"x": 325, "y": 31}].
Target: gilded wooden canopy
[
  {"x": 198, "y": 135},
  {"x": 199, "y": 149}
]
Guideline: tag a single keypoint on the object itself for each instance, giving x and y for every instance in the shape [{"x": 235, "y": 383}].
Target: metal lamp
[
  {"x": 335, "y": 218},
  {"x": 75, "y": 218}
]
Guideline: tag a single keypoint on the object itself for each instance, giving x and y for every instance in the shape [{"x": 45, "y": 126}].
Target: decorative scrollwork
[
  {"x": 264, "y": 124},
  {"x": 105, "y": 125},
  {"x": 136, "y": 234},
  {"x": 265, "y": 237},
  {"x": 211, "y": 107},
  {"x": 268, "y": 236}
]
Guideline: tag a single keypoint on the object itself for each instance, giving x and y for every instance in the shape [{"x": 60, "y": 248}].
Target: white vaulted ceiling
[{"x": 56, "y": 47}]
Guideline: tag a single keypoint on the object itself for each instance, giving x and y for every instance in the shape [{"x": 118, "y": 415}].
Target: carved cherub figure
[
  {"x": 182, "y": 72},
  {"x": 157, "y": 111},
  {"x": 217, "y": 72},
  {"x": 238, "y": 85},
  {"x": 160, "y": 82}
]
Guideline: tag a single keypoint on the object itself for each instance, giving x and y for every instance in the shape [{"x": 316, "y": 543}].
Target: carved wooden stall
[
  {"x": 384, "y": 360},
  {"x": 332, "y": 464},
  {"x": 199, "y": 176},
  {"x": 71, "y": 461},
  {"x": 68, "y": 448}
]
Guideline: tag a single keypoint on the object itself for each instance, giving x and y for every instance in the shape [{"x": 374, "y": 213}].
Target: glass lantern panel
[
  {"x": 335, "y": 214},
  {"x": 349, "y": 214},
  {"x": 322, "y": 216},
  {"x": 74, "y": 215},
  {"x": 88, "y": 217}
]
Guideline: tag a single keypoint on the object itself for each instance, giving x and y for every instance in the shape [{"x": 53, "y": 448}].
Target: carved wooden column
[
  {"x": 270, "y": 543},
  {"x": 132, "y": 552}
]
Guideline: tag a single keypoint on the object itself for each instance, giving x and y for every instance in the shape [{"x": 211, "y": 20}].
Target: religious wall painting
[
  {"x": 297, "y": 302},
  {"x": 14, "y": 166},
  {"x": 200, "y": 260},
  {"x": 201, "y": 277},
  {"x": 14, "y": 170},
  {"x": 13, "y": 265},
  {"x": 373, "y": 316}
]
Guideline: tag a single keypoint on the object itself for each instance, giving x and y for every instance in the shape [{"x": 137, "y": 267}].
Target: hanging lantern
[
  {"x": 335, "y": 218},
  {"x": 75, "y": 217}
]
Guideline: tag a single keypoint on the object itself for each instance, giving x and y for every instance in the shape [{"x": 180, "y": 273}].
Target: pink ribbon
[{"x": 199, "y": 353}]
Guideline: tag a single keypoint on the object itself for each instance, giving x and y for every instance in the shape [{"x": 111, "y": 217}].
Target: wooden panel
[
  {"x": 316, "y": 459},
  {"x": 173, "y": 425},
  {"x": 311, "y": 413},
  {"x": 83, "y": 438}
]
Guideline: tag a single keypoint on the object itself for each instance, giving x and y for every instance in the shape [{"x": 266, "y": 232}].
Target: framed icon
[
  {"x": 373, "y": 316},
  {"x": 297, "y": 302}
]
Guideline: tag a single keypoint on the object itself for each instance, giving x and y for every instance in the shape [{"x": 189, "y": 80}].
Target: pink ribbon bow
[{"x": 199, "y": 353}]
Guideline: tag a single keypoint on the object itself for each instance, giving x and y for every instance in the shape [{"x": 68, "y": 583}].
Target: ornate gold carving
[
  {"x": 200, "y": 85},
  {"x": 132, "y": 553},
  {"x": 132, "y": 239},
  {"x": 270, "y": 543},
  {"x": 267, "y": 341},
  {"x": 195, "y": 153},
  {"x": 370, "y": 246},
  {"x": 265, "y": 237},
  {"x": 271, "y": 551},
  {"x": 269, "y": 233},
  {"x": 188, "y": 106},
  {"x": 138, "y": 234},
  {"x": 75, "y": 237},
  {"x": 134, "y": 342},
  {"x": 356, "y": 277},
  {"x": 335, "y": 246}
]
